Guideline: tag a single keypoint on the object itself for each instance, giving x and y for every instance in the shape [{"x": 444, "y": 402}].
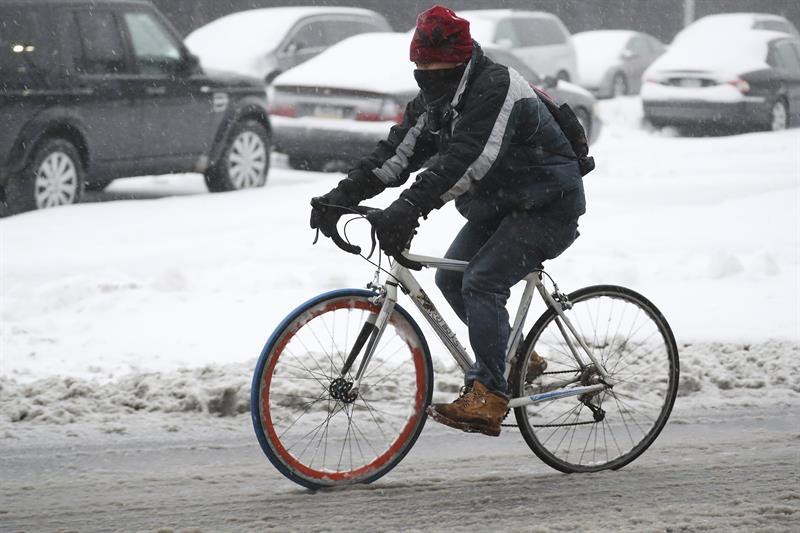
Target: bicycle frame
[{"x": 402, "y": 276}]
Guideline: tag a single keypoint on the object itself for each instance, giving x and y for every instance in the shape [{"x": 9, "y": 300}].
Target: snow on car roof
[
  {"x": 495, "y": 14},
  {"x": 237, "y": 41},
  {"x": 724, "y": 54},
  {"x": 727, "y": 22},
  {"x": 375, "y": 62}
]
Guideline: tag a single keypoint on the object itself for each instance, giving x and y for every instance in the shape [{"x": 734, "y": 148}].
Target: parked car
[
  {"x": 92, "y": 90},
  {"x": 265, "y": 42},
  {"x": 611, "y": 62},
  {"x": 730, "y": 23},
  {"x": 331, "y": 111},
  {"x": 539, "y": 38},
  {"x": 748, "y": 79}
]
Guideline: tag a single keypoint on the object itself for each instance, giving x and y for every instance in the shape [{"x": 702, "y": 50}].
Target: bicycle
[{"x": 340, "y": 391}]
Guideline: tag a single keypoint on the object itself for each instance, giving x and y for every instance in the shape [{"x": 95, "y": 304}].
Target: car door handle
[{"x": 156, "y": 90}]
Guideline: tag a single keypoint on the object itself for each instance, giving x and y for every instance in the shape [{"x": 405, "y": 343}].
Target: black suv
[{"x": 93, "y": 90}]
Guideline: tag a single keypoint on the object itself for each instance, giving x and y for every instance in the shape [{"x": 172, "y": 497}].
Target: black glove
[
  {"x": 328, "y": 208},
  {"x": 395, "y": 225}
]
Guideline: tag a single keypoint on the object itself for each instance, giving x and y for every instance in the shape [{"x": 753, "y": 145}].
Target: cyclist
[{"x": 512, "y": 173}]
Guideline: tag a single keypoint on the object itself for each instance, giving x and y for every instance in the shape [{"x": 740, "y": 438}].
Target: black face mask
[{"x": 439, "y": 86}]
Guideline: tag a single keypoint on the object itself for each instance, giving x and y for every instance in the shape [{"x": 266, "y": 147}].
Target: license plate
[
  {"x": 691, "y": 82},
  {"x": 326, "y": 111}
]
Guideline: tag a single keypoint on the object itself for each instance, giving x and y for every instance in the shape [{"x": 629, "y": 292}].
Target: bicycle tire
[
  {"x": 390, "y": 410},
  {"x": 639, "y": 406}
]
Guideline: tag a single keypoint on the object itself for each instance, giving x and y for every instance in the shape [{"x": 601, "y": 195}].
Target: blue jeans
[{"x": 500, "y": 253}]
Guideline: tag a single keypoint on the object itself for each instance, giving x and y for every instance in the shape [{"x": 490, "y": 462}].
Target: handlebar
[{"x": 364, "y": 210}]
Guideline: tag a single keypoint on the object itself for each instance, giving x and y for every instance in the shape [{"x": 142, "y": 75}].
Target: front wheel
[
  {"x": 245, "y": 161},
  {"x": 611, "y": 428},
  {"x": 309, "y": 426},
  {"x": 53, "y": 177}
]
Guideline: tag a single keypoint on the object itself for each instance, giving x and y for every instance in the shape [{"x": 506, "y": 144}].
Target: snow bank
[{"x": 713, "y": 375}]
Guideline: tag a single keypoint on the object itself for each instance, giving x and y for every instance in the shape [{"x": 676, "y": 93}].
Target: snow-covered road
[{"x": 715, "y": 470}]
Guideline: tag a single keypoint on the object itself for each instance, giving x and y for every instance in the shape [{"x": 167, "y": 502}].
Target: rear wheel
[
  {"x": 611, "y": 428},
  {"x": 619, "y": 86},
  {"x": 308, "y": 425},
  {"x": 779, "y": 116},
  {"x": 53, "y": 177},
  {"x": 245, "y": 161}
]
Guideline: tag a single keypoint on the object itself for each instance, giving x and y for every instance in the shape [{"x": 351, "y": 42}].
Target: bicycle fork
[{"x": 370, "y": 334}]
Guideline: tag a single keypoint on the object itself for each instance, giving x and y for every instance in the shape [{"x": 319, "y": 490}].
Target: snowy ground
[{"x": 142, "y": 312}]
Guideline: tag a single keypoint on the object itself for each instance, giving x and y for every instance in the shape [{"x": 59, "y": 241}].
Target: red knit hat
[{"x": 441, "y": 37}]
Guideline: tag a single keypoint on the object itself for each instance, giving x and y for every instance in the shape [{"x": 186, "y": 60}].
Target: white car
[
  {"x": 611, "y": 62},
  {"x": 263, "y": 43},
  {"x": 734, "y": 79},
  {"x": 540, "y": 39}
]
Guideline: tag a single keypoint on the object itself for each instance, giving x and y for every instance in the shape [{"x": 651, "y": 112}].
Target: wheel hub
[{"x": 340, "y": 389}]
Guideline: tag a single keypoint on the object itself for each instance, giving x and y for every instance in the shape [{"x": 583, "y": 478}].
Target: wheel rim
[
  {"x": 779, "y": 116},
  {"x": 247, "y": 161},
  {"x": 56, "y": 181},
  {"x": 326, "y": 441},
  {"x": 620, "y": 87},
  {"x": 636, "y": 354}
]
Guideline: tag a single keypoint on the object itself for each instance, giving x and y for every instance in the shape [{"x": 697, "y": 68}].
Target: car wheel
[
  {"x": 53, "y": 177},
  {"x": 563, "y": 75},
  {"x": 586, "y": 121},
  {"x": 619, "y": 86},
  {"x": 245, "y": 161},
  {"x": 779, "y": 116}
]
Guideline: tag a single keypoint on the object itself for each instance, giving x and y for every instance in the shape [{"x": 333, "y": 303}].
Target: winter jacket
[{"x": 498, "y": 149}]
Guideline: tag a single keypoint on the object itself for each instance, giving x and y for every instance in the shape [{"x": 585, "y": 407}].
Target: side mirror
[
  {"x": 549, "y": 82},
  {"x": 191, "y": 63},
  {"x": 294, "y": 46}
]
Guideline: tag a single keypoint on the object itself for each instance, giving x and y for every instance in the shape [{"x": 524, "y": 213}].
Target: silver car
[
  {"x": 263, "y": 43},
  {"x": 611, "y": 62},
  {"x": 329, "y": 112}
]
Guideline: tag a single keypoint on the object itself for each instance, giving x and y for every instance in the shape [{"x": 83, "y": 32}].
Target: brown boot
[
  {"x": 536, "y": 367},
  {"x": 478, "y": 410}
]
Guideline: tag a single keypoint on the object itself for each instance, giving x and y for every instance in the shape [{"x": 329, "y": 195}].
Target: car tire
[
  {"x": 779, "y": 116},
  {"x": 585, "y": 118},
  {"x": 563, "y": 75},
  {"x": 53, "y": 176},
  {"x": 619, "y": 85},
  {"x": 244, "y": 162}
]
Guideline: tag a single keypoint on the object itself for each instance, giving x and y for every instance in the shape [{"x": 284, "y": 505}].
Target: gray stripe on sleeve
[
  {"x": 389, "y": 173},
  {"x": 518, "y": 89}
]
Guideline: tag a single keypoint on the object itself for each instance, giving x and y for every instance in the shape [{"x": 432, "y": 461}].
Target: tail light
[
  {"x": 390, "y": 111},
  {"x": 741, "y": 85},
  {"x": 283, "y": 110}
]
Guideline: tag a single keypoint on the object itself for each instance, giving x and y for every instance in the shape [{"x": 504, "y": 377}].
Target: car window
[
  {"x": 154, "y": 48},
  {"x": 775, "y": 25},
  {"x": 102, "y": 48},
  {"x": 506, "y": 33},
  {"x": 638, "y": 46},
  {"x": 338, "y": 30},
  {"x": 538, "y": 32},
  {"x": 19, "y": 40},
  {"x": 786, "y": 57},
  {"x": 310, "y": 35}
]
